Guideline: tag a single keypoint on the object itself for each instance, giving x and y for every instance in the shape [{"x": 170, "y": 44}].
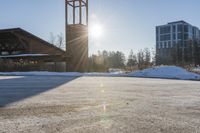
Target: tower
[{"x": 77, "y": 35}]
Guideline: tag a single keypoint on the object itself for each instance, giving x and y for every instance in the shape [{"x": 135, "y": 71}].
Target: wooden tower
[{"x": 77, "y": 35}]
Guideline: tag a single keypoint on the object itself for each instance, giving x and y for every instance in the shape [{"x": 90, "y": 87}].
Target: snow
[
  {"x": 36, "y": 73},
  {"x": 196, "y": 69},
  {"x": 111, "y": 74},
  {"x": 71, "y": 74},
  {"x": 169, "y": 72}
]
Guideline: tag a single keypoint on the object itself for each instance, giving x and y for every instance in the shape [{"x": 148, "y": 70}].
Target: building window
[
  {"x": 186, "y": 36},
  {"x": 186, "y": 28},
  {"x": 180, "y": 27},
  {"x": 180, "y": 36},
  {"x": 165, "y": 37},
  {"x": 174, "y": 36},
  {"x": 165, "y": 29},
  {"x": 165, "y": 46},
  {"x": 174, "y": 28},
  {"x": 161, "y": 45}
]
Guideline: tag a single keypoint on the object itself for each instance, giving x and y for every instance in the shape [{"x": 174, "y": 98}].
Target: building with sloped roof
[{"x": 25, "y": 51}]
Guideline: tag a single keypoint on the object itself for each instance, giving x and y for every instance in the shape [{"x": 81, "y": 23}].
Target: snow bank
[
  {"x": 196, "y": 69},
  {"x": 112, "y": 74},
  {"x": 171, "y": 72}
]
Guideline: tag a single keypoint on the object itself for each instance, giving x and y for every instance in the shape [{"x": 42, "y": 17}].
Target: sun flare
[{"x": 96, "y": 30}]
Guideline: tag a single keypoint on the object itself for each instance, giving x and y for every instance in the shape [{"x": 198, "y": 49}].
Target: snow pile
[
  {"x": 170, "y": 72},
  {"x": 70, "y": 74},
  {"x": 196, "y": 69}
]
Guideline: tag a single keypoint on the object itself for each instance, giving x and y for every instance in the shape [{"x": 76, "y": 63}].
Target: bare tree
[
  {"x": 60, "y": 41},
  {"x": 57, "y": 40},
  {"x": 52, "y": 38}
]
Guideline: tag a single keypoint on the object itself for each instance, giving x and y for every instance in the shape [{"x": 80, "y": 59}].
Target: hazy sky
[{"x": 128, "y": 24}]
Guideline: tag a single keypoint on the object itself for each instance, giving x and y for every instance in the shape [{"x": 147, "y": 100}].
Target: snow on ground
[
  {"x": 71, "y": 74},
  {"x": 170, "y": 72},
  {"x": 196, "y": 69},
  {"x": 74, "y": 74}
]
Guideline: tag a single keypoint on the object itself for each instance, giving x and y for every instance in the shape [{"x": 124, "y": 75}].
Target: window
[
  {"x": 165, "y": 37},
  {"x": 174, "y": 36},
  {"x": 165, "y": 29},
  {"x": 180, "y": 36},
  {"x": 186, "y": 36},
  {"x": 161, "y": 45},
  {"x": 180, "y": 28},
  {"x": 186, "y": 28},
  {"x": 174, "y": 28}
]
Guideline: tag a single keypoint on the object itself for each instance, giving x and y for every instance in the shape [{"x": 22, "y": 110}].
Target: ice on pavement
[{"x": 171, "y": 72}]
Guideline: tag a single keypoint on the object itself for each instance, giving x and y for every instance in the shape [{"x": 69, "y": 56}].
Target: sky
[{"x": 127, "y": 24}]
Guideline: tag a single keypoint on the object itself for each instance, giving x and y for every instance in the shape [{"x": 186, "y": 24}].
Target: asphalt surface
[{"x": 46, "y": 104}]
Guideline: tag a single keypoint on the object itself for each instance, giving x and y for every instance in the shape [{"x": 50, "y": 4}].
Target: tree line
[{"x": 104, "y": 60}]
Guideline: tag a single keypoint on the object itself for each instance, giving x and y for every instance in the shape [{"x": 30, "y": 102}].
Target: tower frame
[{"x": 76, "y": 18}]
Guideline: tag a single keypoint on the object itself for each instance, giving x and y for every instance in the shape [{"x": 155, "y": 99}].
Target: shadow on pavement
[{"x": 13, "y": 89}]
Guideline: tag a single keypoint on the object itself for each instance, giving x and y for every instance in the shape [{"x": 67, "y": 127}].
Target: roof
[
  {"x": 175, "y": 22},
  {"x": 181, "y": 21},
  {"x": 28, "y": 34}
]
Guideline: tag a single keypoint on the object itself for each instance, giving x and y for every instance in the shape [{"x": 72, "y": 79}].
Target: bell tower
[{"x": 76, "y": 18}]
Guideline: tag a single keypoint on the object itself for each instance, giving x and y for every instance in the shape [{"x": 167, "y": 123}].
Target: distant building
[{"x": 177, "y": 43}]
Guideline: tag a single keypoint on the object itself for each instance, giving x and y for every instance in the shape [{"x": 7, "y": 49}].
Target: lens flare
[{"x": 96, "y": 30}]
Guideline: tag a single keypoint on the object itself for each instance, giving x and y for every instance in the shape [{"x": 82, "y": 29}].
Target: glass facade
[{"x": 175, "y": 34}]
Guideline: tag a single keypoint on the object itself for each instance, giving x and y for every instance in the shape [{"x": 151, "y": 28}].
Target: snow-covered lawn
[{"x": 169, "y": 72}]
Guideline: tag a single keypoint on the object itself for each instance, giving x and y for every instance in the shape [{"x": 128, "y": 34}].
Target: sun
[{"x": 96, "y": 30}]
